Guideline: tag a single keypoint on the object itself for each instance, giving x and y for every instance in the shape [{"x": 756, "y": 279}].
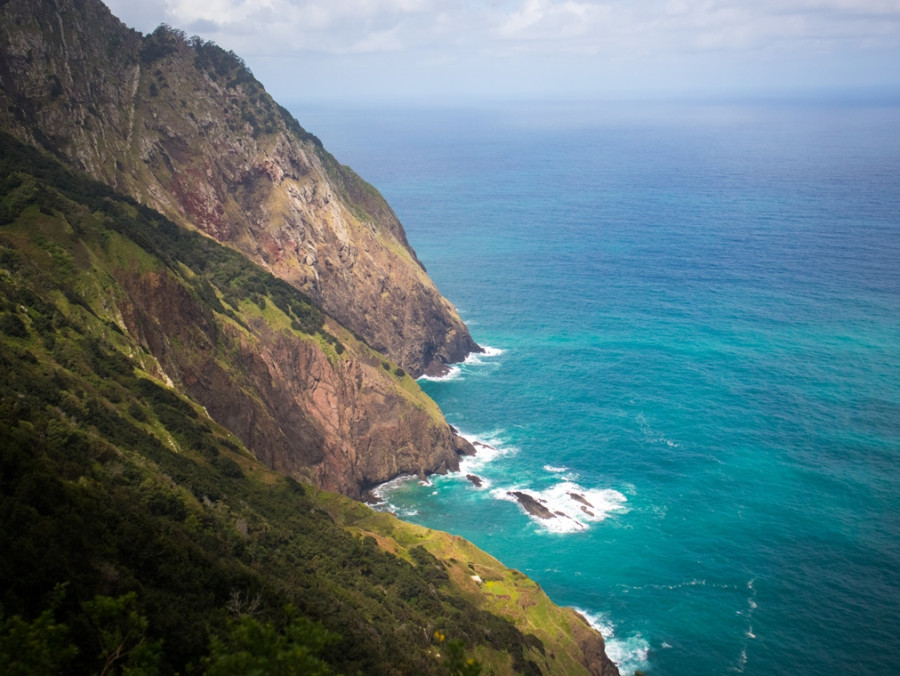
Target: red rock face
[{"x": 343, "y": 423}]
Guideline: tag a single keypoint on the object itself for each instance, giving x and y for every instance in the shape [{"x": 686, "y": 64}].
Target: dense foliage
[{"x": 139, "y": 534}]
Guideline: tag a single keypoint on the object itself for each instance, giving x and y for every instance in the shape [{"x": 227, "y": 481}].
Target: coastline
[
  {"x": 564, "y": 508},
  {"x": 454, "y": 371},
  {"x": 715, "y": 295},
  {"x": 617, "y": 656},
  {"x": 438, "y": 370}
]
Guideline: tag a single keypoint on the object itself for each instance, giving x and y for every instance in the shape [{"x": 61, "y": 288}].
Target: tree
[
  {"x": 255, "y": 648},
  {"x": 122, "y": 635},
  {"x": 38, "y": 647}
]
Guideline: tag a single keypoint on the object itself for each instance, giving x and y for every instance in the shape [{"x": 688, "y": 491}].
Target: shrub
[
  {"x": 228, "y": 467},
  {"x": 11, "y": 325}
]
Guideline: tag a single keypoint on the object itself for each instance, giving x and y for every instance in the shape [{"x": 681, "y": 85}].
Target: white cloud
[
  {"x": 663, "y": 26},
  {"x": 505, "y": 37},
  {"x": 685, "y": 26}
]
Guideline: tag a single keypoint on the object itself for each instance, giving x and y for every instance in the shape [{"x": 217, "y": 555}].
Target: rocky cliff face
[
  {"x": 183, "y": 127},
  {"x": 300, "y": 391},
  {"x": 341, "y": 422}
]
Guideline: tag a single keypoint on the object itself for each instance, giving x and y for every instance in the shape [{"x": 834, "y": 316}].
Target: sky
[{"x": 454, "y": 50}]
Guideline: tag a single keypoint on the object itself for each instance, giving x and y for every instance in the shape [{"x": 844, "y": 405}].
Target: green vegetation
[
  {"x": 29, "y": 173},
  {"x": 153, "y": 543},
  {"x": 159, "y": 44},
  {"x": 139, "y": 535}
]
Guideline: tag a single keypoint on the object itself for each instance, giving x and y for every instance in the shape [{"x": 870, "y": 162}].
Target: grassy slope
[{"x": 113, "y": 484}]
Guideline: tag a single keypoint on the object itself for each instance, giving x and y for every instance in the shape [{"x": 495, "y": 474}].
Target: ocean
[{"x": 692, "y": 315}]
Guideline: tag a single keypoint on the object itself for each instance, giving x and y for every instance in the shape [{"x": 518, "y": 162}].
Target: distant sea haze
[{"x": 694, "y": 316}]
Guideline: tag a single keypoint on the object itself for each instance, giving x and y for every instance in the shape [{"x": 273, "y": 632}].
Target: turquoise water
[{"x": 694, "y": 316}]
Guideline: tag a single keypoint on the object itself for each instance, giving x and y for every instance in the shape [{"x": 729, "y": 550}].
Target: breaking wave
[
  {"x": 453, "y": 373},
  {"x": 629, "y": 653},
  {"x": 487, "y": 449},
  {"x": 572, "y": 507},
  {"x": 456, "y": 371}
]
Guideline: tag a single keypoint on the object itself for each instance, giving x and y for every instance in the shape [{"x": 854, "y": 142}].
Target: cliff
[
  {"x": 140, "y": 364},
  {"x": 183, "y": 127},
  {"x": 306, "y": 396}
]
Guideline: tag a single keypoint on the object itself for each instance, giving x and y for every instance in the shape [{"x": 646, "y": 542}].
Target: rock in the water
[
  {"x": 531, "y": 505},
  {"x": 475, "y": 480},
  {"x": 577, "y": 497}
]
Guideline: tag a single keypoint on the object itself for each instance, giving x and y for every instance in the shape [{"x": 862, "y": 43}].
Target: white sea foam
[
  {"x": 383, "y": 490},
  {"x": 477, "y": 358},
  {"x": 456, "y": 372},
  {"x": 488, "y": 448},
  {"x": 742, "y": 658},
  {"x": 574, "y": 508},
  {"x": 653, "y": 435},
  {"x": 556, "y": 470},
  {"x": 562, "y": 472},
  {"x": 453, "y": 373},
  {"x": 599, "y": 622},
  {"x": 383, "y": 493},
  {"x": 629, "y": 653},
  {"x": 687, "y": 583}
]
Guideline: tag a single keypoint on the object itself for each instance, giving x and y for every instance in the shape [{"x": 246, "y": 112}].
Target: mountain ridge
[
  {"x": 184, "y": 127},
  {"x": 60, "y": 59}
]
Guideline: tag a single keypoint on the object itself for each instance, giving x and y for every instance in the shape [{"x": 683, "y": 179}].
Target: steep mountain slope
[
  {"x": 140, "y": 533},
  {"x": 184, "y": 128},
  {"x": 302, "y": 393},
  {"x": 339, "y": 420}
]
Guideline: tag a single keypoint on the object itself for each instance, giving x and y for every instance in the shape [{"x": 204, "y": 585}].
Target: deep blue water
[{"x": 696, "y": 313}]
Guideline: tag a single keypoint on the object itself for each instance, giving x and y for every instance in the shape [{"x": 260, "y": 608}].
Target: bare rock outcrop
[{"x": 593, "y": 647}]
